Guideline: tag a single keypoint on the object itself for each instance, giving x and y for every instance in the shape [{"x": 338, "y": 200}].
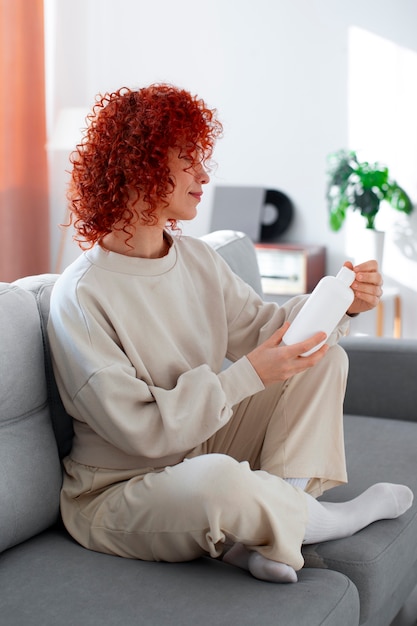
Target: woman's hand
[
  {"x": 274, "y": 361},
  {"x": 367, "y": 287}
]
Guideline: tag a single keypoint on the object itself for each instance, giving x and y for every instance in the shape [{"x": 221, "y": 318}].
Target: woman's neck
[{"x": 147, "y": 242}]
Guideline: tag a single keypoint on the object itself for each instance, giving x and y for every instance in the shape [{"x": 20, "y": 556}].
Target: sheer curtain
[{"x": 24, "y": 222}]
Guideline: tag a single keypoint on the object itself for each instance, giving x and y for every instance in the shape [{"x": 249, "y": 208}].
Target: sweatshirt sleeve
[
  {"x": 256, "y": 320},
  {"x": 144, "y": 420}
]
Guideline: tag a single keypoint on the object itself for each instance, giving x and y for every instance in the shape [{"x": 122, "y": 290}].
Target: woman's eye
[{"x": 187, "y": 157}]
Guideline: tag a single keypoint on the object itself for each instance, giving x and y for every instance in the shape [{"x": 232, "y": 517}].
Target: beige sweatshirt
[{"x": 138, "y": 347}]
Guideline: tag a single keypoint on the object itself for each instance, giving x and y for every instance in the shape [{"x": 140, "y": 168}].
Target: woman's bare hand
[
  {"x": 274, "y": 361},
  {"x": 367, "y": 287}
]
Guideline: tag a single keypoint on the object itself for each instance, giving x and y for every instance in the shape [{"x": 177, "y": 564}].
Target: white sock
[
  {"x": 271, "y": 571},
  {"x": 259, "y": 566},
  {"x": 334, "y": 520},
  {"x": 298, "y": 482}
]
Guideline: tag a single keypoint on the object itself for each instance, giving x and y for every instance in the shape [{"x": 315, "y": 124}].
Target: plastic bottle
[{"x": 323, "y": 310}]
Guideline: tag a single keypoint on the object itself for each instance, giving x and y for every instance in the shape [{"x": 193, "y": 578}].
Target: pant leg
[
  {"x": 293, "y": 429},
  {"x": 311, "y": 430},
  {"x": 184, "y": 511}
]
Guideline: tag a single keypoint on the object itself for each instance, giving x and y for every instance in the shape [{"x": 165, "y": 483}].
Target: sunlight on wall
[{"x": 383, "y": 127}]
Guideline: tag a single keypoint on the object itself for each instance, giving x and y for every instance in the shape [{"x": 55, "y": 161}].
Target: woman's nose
[{"x": 202, "y": 174}]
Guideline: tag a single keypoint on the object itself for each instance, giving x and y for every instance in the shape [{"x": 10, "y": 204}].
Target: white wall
[{"x": 280, "y": 74}]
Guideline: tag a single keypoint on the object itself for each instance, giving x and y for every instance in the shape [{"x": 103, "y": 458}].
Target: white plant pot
[{"x": 365, "y": 244}]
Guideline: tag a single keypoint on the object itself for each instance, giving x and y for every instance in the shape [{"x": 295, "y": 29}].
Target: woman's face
[{"x": 188, "y": 176}]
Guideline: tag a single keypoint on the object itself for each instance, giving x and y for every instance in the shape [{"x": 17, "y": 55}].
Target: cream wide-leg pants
[{"x": 229, "y": 489}]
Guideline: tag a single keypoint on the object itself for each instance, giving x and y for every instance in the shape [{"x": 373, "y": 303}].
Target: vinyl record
[{"x": 276, "y": 216}]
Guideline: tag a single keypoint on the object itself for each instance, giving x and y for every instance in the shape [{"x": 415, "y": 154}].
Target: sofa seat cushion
[
  {"x": 377, "y": 558},
  {"x": 59, "y": 582},
  {"x": 30, "y": 473}
]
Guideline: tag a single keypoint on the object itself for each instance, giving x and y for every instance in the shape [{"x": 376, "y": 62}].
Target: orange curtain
[{"x": 24, "y": 215}]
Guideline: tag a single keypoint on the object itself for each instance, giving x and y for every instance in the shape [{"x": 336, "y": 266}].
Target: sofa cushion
[
  {"x": 30, "y": 474},
  {"x": 86, "y": 588},
  {"x": 41, "y": 287},
  {"x": 377, "y": 364},
  {"x": 238, "y": 251},
  {"x": 381, "y": 559}
]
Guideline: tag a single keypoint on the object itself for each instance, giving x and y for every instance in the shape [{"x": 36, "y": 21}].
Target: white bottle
[{"x": 323, "y": 310}]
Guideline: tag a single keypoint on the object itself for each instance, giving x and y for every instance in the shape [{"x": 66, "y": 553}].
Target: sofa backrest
[
  {"x": 381, "y": 379},
  {"x": 41, "y": 287},
  {"x": 30, "y": 470},
  {"x": 239, "y": 252}
]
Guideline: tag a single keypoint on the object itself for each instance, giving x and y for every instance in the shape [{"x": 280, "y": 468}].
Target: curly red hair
[{"x": 125, "y": 151}]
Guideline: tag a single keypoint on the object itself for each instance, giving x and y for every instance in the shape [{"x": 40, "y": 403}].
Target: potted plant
[{"x": 362, "y": 186}]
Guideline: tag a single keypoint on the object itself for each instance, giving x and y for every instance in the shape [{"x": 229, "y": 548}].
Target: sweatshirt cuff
[{"x": 240, "y": 380}]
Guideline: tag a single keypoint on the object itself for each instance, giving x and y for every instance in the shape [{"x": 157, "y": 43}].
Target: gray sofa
[{"x": 46, "y": 579}]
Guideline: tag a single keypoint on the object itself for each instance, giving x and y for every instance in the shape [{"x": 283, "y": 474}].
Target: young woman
[{"x": 174, "y": 458}]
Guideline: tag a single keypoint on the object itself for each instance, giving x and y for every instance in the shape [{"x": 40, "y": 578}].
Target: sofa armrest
[{"x": 382, "y": 375}]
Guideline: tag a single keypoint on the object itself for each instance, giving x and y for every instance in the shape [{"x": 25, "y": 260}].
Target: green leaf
[
  {"x": 336, "y": 220},
  {"x": 338, "y": 213},
  {"x": 399, "y": 199}
]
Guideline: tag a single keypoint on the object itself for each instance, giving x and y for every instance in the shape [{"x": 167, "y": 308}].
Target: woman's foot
[
  {"x": 259, "y": 566},
  {"x": 335, "y": 520}
]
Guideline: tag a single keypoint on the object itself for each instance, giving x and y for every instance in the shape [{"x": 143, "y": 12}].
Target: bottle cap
[{"x": 346, "y": 275}]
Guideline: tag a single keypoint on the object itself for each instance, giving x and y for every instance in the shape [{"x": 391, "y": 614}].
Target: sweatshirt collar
[{"x": 123, "y": 264}]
